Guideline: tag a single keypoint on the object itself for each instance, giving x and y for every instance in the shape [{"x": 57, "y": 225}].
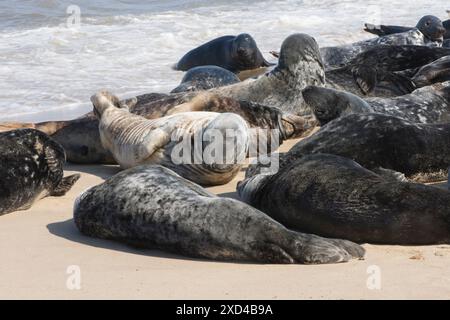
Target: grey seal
[
  {"x": 334, "y": 197},
  {"x": 31, "y": 169},
  {"x": 234, "y": 53},
  {"x": 204, "y": 78},
  {"x": 430, "y": 26},
  {"x": 152, "y": 207},
  {"x": 429, "y": 104},
  {"x": 374, "y": 140},
  {"x": 135, "y": 140}
]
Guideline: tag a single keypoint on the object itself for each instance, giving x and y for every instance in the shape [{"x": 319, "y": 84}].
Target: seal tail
[{"x": 65, "y": 185}]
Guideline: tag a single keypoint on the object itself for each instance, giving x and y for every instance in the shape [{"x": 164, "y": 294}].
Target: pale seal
[
  {"x": 31, "y": 169},
  {"x": 134, "y": 140},
  {"x": 336, "y": 197},
  {"x": 385, "y": 71},
  {"x": 152, "y": 207},
  {"x": 204, "y": 78},
  {"x": 234, "y": 53},
  {"x": 429, "y": 104}
]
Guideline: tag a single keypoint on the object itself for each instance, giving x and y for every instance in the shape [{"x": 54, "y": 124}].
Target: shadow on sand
[
  {"x": 67, "y": 230},
  {"x": 99, "y": 170}
]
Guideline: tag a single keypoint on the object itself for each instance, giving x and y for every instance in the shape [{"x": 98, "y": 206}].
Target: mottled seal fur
[
  {"x": 429, "y": 104},
  {"x": 420, "y": 151},
  {"x": 152, "y": 207},
  {"x": 204, "y": 78},
  {"x": 341, "y": 55},
  {"x": 31, "y": 169},
  {"x": 430, "y": 26},
  {"x": 385, "y": 71},
  {"x": 334, "y": 197},
  {"x": 135, "y": 140},
  {"x": 234, "y": 53}
]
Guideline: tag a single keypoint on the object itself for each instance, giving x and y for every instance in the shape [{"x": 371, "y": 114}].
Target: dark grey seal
[
  {"x": 152, "y": 207},
  {"x": 430, "y": 26},
  {"x": 429, "y": 104},
  {"x": 335, "y": 197},
  {"x": 31, "y": 169},
  {"x": 420, "y": 151},
  {"x": 341, "y": 55},
  {"x": 385, "y": 71},
  {"x": 234, "y": 53},
  {"x": 204, "y": 78}
]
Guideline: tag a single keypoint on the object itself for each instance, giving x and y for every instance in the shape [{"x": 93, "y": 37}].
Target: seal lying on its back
[
  {"x": 152, "y": 207},
  {"x": 234, "y": 53},
  {"x": 81, "y": 140},
  {"x": 420, "y": 151},
  {"x": 204, "y": 78},
  {"x": 134, "y": 140},
  {"x": 341, "y": 55},
  {"x": 425, "y": 105},
  {"x": 428, "y": 25},
  {"x": 335, "y": 197},
  {"x": 31, "y": 169}
]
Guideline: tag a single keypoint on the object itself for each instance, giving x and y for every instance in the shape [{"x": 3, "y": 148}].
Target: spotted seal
[
  {"x": 420, "y": 151},
  {"x": 429, "y": 104},
  {"x": 153, "y": 207},
  {"x": 31, "y": 169},
  {"x": 204, "y": 78},
  {"x": 336, "y": 197},
  {"x": 341, "y": 55}
]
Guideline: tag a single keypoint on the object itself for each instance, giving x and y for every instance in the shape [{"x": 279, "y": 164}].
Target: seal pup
[
  {"x": 429, "y": 104},
  {"x": 419, "y": 151},
  {"x": 428, "y": 25},
  {"x": 135, "y": 140},
  {"x": 341, "y": 55},
  {"x": 336, "y": 197},
  {"x": 234, "y": 53},
  {"x": 153, "y": 207},
  {"x": 31, "y": 169},
  {"x": 204, "y": 78}
]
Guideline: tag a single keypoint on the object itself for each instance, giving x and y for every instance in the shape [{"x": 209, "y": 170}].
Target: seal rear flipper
[
  {"x": 366, "y": 77},
  {"x": 65, "y": 185},
  {"x": 275, "y": 54}
]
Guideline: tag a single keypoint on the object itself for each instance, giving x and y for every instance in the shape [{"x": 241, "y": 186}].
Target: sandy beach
[{"x": 39, "y": 246}]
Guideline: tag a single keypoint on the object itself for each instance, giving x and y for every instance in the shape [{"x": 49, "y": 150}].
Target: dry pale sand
[{"x": 37, "y": 247}]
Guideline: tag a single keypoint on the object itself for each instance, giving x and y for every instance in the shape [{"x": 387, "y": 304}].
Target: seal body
[
  {"x": 431, "y": 26},
  {"x": 340, "y": 56},
  {"x": 234, "y": 53},
  {"x": 204, "y": 78},
  {"x": 171, "y": 141},
  {"x": 388, "y": 71},
  {"x": 429, "y": 104},
  {"x": 31, "y": 169},
  {"x": 420, "y": 151},
  {"x": 152, "y": 207},
  {"x": 334, "y": 196}
]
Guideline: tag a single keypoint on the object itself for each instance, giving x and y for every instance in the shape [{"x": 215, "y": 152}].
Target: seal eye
[{"x": 428, "y": 23}]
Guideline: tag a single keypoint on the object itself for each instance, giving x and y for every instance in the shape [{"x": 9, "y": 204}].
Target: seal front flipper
[
  {"x": 65, "y": 185},
  {"x": 366, "y": 78}
]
